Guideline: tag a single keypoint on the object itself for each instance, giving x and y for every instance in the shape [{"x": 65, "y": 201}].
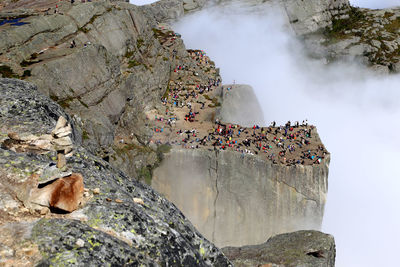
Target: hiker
[{"x": 73, "y": 44}]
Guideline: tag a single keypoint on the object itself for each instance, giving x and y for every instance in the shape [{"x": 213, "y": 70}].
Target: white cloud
[
  {"x": 356, "y": 113},
  {"x": 375, "y": 3},
  {"x": 141, "y": 2}
]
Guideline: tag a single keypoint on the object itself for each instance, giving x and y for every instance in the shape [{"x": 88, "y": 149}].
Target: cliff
[
  {"x": 116, "y": 71},
  {"x": 237, "y": 200},
  {"x": 134, "y": 97},
  {"x": 310, "y": 16},
  {"x": 334, "y": 30}
]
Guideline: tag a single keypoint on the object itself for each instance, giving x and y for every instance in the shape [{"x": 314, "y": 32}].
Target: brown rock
[
  {"x": 44, "y": 211},
  {"x": 67, "y": 192},
  {"x": 61, "y": 162},
  {"x": 138, "y": 201},
  {"x": 119, "y": 200},
  {"x": 64, "y": 193},
  {"x": 96, "y": 191}
]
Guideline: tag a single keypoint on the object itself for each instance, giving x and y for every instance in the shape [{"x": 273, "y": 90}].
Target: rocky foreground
[
  {"x": 302, "y": 248},
  {"x": 119, "y": 220},
  {"x": 113, "y": 94}
]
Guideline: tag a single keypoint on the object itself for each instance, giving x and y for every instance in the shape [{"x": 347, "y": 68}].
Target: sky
[
  {"x": 142, "y": 2},
  {"x": 360, "y": 3},
  {"x": 375, "y": 3},
  {"x": 356, "y": 113}
]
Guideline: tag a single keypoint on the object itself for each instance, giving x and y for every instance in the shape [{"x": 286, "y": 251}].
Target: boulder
[
  {"x": 240, "y": 106},
  {"x": 63, "y": 193},
  {"x": 302, "y": 248}
]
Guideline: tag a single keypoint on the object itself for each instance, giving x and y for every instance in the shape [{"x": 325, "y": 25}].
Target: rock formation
[
  {"x": 121, "y": 78},
  {"x": 240, "y": 106},
  {"x": 302, "y": 248},
  {"x": 311, "y": 16},
  {"x": 335, "y": 30},
  {"x": 235, "y": 200},
  {"x": 121, "y": 221}
]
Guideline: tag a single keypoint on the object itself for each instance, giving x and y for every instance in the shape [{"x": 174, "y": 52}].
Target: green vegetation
[
  {"x": 162, "y": 149},
  {"x": 139, "y": 43},
  {"x": 166, "y": 93},
  {"x": 394, "y": 26},
  {"x": 85, "y": 135},
  {"x": 159, "y": 34},
  {"x": 92, "y": 19},
  {"x": 146, "y": 173},
  {"x": 215, "y": 102},
  {"x": 26, "y": 63},
  {"x": 83, "y": 29},
  {"x": 129, "y": 54},
  {"x": 7, "y": 72},
  {"x": 64, "y": 103},
  {"x": 340, "y": 26},
  {"x": 34, "y": 56},
  {"x": 133, "y": 63},
  {"x": 27, "y": 73}
]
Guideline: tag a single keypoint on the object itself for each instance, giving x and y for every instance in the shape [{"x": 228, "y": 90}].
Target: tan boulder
[{"x": 64, "y": 193}]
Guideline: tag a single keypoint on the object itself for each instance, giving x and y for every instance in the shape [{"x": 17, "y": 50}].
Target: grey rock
[
  {"x": 311, "y": 16},
  {"x": 21, "y": 106},
  {"x": 302, "y": 248},
  {"x": 240, "y": 200},
  {"x": 127, "y": 232},
  {"x": 240, "y": 106}
]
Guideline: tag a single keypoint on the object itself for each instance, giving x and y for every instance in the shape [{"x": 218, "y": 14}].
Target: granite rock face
[
  {"x": 311, "y": 16},
  {"x": 119, "y": 221},
  {"x": 334, "y": 30},
  {"x": 240, "y": 106},
  {"x": 114, "y": 73},
  {"x": 237, "y": 200},
  {"x": 302, "y": 248},
  {"x": 170, "y": 10}
]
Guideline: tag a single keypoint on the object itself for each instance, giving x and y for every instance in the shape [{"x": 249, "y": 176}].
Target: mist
[
  {"x": 356, "y": 113},
  {"x": 375, "y": 3},
  {"x": 142, "y": 2}
]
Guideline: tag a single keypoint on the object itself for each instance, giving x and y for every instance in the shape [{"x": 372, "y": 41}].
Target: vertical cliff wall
[
  {"x": 239, "y": 200},
  {"x": 311, "y": 16}
]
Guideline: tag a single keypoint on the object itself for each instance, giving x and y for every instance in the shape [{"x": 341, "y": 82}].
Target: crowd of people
[{"x": 189, "y": 121}]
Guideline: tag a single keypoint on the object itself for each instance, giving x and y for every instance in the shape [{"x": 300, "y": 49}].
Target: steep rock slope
[
  {"x": 311, "y": 16},
  {"x": 237, "y": 200},
  {"x": 370, "y": 36},
  {"x": 335, "y": 30},
  {"x": 302, "y": 248},
  {"x": 116, "y": 71},
  {"x": 120, "y": 221}
]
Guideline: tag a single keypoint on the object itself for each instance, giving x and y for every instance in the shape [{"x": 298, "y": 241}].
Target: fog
[
  {"x": 375, "y": 3},
  {"x": 141, "y": 2},
  {"x": 356, "y": 113}
]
